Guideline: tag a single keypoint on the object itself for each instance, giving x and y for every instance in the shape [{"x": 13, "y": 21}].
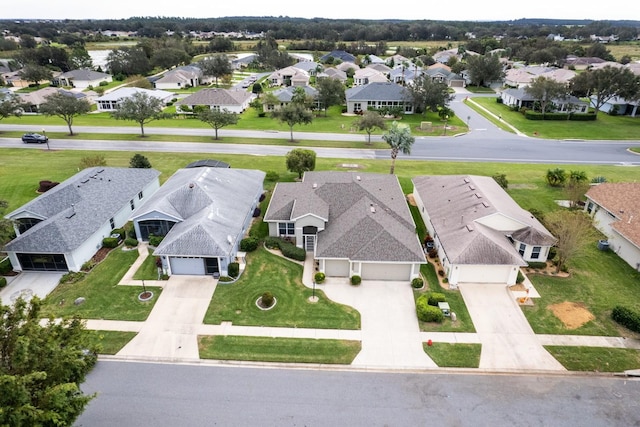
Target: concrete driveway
[
  {"x": 390, "y": 333},
  {"x": 508, "y": 342},
  {"x": 170, "y": 331},
  {"x": 28, "y": 284}
]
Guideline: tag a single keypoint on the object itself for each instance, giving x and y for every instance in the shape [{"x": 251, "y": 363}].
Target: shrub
[
  {"x": 537, "y": 265},
  {"x": 501, "y": 179},
  {"x": 272, "y": 176},
  {"x": 164, "y": 277},
  {"x": 441, "y": 273},
  {"x": 598, "y": 179},
  {"x": 233, "y": 269},
  {"x": 131, "y": 242},
  {"x": 552, "y": 252},
  {"x": 426, "y": 312},
  {"x": 433, "y": 253},
  {"x": 88, "y": 265},
  {"x": 556, "y": 177},
  {"x": 249, "y": 244},
  {"x": 290, "y": 250},
  {"x": 267, "y": 299},
  {"x": 225, "y": 279},
  {"x": 72, "y": 277},
  {"x": 262, "y": 197},
  {"x": 626, "y": 317},
  {"x": 155, "y": 240},
  {"x": 434, "y": 298},
  {"x": 272, "y": 242},
  {"x": 319, "y": 277},
  {"x": 3, "y": 282},
  {"x": 417, "y": 283},
  {"x": 130, "y": 230},
  {"x": 256, "y": 212},
  {"x": 109, "y": 242},
  {"x": 520, "y": 278},
  {"x": 5, "y": 266},
  {"x": 356, "y": 280},
  {"x": 119, "y": 231}
]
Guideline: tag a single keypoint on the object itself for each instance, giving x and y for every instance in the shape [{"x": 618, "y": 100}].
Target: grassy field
[
  {"x": 286, "y": 350},
  {"x": 447, "y": 355},
  {"x": 104, "y": 299},
  {"x": 110, "y": 342},
  {"x": 148, "y": 270},
  {"x": 236, "y": 302},
  {"x": 596, "y": 359}
]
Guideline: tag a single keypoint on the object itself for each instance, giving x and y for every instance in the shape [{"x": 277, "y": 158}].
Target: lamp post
[
  {"x": 446, "y": 118},
  {"x": 44, "y": 133}
]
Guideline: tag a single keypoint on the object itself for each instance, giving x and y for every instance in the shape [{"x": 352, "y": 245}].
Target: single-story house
[
  {"x": 289, "y": 76},
  {"x": 285, "y": 95},
  {"x": 180, "y": 78},
  {"x": 353, "y": 223},
  {"x": 364, "y": 76},
  {"x": 63, "y": 228},
  {"x": 397, "y": 60},
  {"x": 615, "y": 209},
  {"x": 233, "y": 100},
  {"x": 81, "y": 79},
  {"x": 32, "y": 100},
  {"x": 202, "y": 214},
  {"x": 309, "y": 67},
  {"x": 405, "y": 75},
  {"x": 618, "y": 106},
  {"x": 111, "y": 101},
  {"x": 522, "y": 99},
  {"x": 480, "y": 232},
  {"x": 242, "y": 60},
  {"x": 334, "y": 73},
  {"x": 378, "y": 95},
  {"x": 340, "y": 55},
  {"x": 582, "y": 63},
  {"x": 444, "y": 75}
]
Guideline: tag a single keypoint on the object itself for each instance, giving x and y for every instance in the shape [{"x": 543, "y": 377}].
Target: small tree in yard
[
  {"x": 67, "y": 107},
  {"x": 10, "y": 105},
  {"x": 300, "y": 160},
  {"x": 140, "y": 108},
  {"x": 399, "y": 139},
  {"x": 139, "y": 161},
  {"x": 217, "y": 118},
  {"x": 556, "y": 177},
  {"x": 574, "y": 232},
  {"x": 369, "y": 121},
  {"x": 294, "y": 113}
]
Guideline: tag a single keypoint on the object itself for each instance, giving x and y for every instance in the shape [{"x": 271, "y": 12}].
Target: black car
[{"x": 34, "y": 137}]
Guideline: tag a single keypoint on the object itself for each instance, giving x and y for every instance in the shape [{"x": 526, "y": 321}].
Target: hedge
[
  {"x": 248, "y": 244},
  {"x": 537, "y": 265},
  {"x": 155, "y": 240},
  {"x": 427, "y": 312},
  {"x": 626, "y": 317},
  {"x": 433, "y": 298},
  {"x": 534, "y": 115},
  {"x": 233, "y": 269},
  {"x": 3, "y": 282},
  {"x": 131, "y": 242},
  {"x": 109, "y": 242},
  {"x": 417, "y": 283},
  {"x": 272, "y": 242},
  {"x": 5, "y": 266},
  {"x": 290, "y": 250}
]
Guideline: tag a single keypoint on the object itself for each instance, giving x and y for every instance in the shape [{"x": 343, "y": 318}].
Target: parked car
[{"x": 34, "y": 137}]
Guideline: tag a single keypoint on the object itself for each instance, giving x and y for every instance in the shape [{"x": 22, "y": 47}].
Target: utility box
[
  {"x": 425, "y": 125},
  {"x": 444, "y": 306},
  {"x": 603, "y": 245}
]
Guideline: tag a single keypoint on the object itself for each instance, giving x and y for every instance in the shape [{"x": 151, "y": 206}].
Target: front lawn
[
  {"x": 286, "y": 350},
  {"x": 104, "y": 299},
  {"x": 148, "y": 270},
  {"x": 598, "y": 359},
  {"x": 447, "y": 355},
  {"x": 236, "y": 302},
  {"x": 109, "y": 342}
]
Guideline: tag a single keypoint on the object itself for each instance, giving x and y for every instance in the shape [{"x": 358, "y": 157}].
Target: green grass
[
  {"x": 104, "y": 298},
  {"x": 267, "y": 272},
  {"x": 148, "y": 269},
  {"x": 599, "y": 280},
  {"x": 598, "y": 359},
  {"x": 109, "y": 342},
  {"x": 606, "y": 127},
  {"x": 456, "y": 303},
  {"x": 287, "y": 350},
  {"x": 447, "y": 355}
]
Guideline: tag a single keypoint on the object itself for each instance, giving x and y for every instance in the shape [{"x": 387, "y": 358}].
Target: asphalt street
[{"x": 142, "y": 394}]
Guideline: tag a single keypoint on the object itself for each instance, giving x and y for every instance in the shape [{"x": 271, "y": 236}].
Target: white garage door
[
  {"x": 194, "y": 266},
  {"x": 484, "y": 273},
  {"x": 386, "y": 271},
  {"x": 336, "y": 268}
]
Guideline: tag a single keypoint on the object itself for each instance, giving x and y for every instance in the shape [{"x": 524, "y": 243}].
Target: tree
[
  {"x": 292, "y": 114},
  {"x": 217, "y": 118},
  {"x": 139, "y": 161},
  {"x": 169, "y": 57},
  {"x": 556, "y": 177},
  {"x": 41, "y": 367},
  {"x": 10, "y": 105},
  {"x": 216, "y": 66},
  {"x": 483, "y": 69},
  {"x": 79, "y": 58},
  {"x": 606, "y": 83},
  {"x": 545, "y": 91},
  {"x": 257, "y": 89},
  {"x": 330, "y": 92},
  {"x": 428, "y": 95},
  {"x": 141, "y": 108},
  {"x": 128, "y": 60},
  {"x": 7, "y": 231},
  {"x": 369, "y": 121},
  {"x": 576, "y": 187},
  {"x": 399, "y": 139},
  {"x": 300, "y": 161},
  {"x": 36, "y": 73},
  {"x": 574, "y": 232},
  {"x": 67, "y": 107}
]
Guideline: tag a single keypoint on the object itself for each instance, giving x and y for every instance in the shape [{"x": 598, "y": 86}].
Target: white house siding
[
  {"x": 377, "y": 271},
  {"x": 617, "y": 243},
  {"x": 504, "y": 274},
  {"x": 83, "y": 84},
  {"x": 307, "y": 221},
  {"x": 336, "y": 268},
  {"x": 188, "y": 266}
]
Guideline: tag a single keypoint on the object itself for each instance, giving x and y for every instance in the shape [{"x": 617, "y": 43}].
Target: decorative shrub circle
[
  {"x": 356, "y": 280},
  {"x": 319, "y": 277},
  {"x": 266, "y": 302},
  {"x": 417, "y": 283},
  {"x": 145, "y": 296}
]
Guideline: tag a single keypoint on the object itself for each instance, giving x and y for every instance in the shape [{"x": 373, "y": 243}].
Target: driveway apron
[
  {"x": 170, "y": 331},
  {"x": 390, "y": 333},
  {"x": 508, "y": 342},
  {"x": 29, "y": 284}
]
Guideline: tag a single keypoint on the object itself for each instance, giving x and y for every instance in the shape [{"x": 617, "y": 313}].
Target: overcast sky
[{"x": 461, "y": 10}]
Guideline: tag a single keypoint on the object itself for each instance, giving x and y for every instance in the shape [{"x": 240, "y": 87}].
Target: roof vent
[
  {"x": 466, "y": 180},
  {"x": 469, "y": 227},
  {"x": 358, "y": 177},
  {"x": 191, "y": 185},
  {"x": 314, "y": 185},
  {"x": 479, "y": 196},
  {"x": 471, "y": 187},
  {"x": 485, "y": 204}
]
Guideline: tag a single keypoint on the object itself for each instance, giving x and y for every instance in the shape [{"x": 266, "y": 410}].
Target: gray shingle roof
[
  {"x": 460, "y": 208},
  {"x": 211, "y": 205},
  {"x": 84, "y": 75},
  {"x": 94, "y": 194},
  {"x": 368, "y": 218},
  {"x": 216, "y": 97},
  {"x": 379, "y": 91},
  {"x": 286, "y": 94}
]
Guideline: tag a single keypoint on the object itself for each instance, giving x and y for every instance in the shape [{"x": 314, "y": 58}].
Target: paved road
[
  {"x": 484, "y": 143},
  {"x": 139, "y": 394}
]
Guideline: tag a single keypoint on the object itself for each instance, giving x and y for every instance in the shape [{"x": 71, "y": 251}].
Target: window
[
  {"x": 133, "y": 206},
  {"x": 140, "y": 195},
  {"x": 522, "y": 248},
  {"x": 535, "y": 252},
  {"x": 112, "y": 224},
  {"x": 286, "y": 228},
  {"x": 590, "y": 207}
]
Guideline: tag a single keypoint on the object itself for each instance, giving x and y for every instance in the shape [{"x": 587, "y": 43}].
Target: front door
[{"x": 309, "y": 243}]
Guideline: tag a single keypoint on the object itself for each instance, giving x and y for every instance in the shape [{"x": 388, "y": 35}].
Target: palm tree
[{"x": 399, "y": 139}]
